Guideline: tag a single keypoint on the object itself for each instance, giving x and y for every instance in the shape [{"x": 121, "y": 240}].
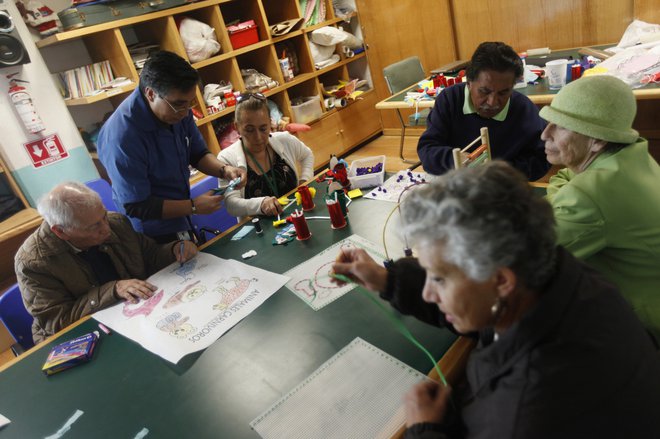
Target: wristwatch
[{"x": 193, "y": 208}]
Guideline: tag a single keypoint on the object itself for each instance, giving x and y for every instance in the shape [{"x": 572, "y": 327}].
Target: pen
[{"x": 181, "y": 253}]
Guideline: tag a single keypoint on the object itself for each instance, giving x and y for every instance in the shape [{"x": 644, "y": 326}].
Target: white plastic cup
[{"x": 556, "y": 73}]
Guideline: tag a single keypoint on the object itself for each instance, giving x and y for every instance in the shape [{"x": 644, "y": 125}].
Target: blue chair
[
  {"x": 103, "y": 188},
  {"x": 215, "y": 223},
  {"x": 16, "y": 318}
]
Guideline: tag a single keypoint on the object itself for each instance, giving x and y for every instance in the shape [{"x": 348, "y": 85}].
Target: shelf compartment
[
  {"x": 222, "y": 71},
  {"x": 300, "y": 51},
  {"x": 283, "y": 102},
  {"x": 278, "y": 11},
  {"x": 264, "y": 61},
  {"x": 212, "y": 17},
  {"x": 245, "y": 10}
]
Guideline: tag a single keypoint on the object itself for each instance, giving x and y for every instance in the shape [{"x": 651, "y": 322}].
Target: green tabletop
[
  {"x": 217, "y": 392},
  {"x": 539, "y": 93}
]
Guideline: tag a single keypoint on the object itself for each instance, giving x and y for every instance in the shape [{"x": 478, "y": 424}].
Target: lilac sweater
[{"x": 517, "y": 139}]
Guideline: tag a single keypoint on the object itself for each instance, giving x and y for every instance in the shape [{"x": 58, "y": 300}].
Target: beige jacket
[{"x": 58, "y": 287}]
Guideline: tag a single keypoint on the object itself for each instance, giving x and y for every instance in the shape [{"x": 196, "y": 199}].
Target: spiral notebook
[{"x": 357, "y": 393}]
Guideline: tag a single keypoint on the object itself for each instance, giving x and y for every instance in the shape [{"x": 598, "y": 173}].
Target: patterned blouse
[{"x": 258, "y": 186}]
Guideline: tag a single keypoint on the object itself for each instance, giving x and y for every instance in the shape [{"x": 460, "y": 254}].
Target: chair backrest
[
  {"x": 103, "y": 188},
  {"x": 218, "y": 220},
  {"x": 15, "y": 317},
  {"x": 403, "y": 74}
]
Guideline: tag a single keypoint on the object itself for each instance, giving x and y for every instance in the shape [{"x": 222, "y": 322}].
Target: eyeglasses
[
  {"x": 244, "y": 97},
  {"x": 183, "y": 109}
]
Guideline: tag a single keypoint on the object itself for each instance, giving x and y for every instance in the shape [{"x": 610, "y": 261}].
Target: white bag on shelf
[
  {"x": 199, "y": 40},
  {"x": 321, "y": 53}
]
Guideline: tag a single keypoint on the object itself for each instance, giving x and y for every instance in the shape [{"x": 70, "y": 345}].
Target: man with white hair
[{"x": 83, "y": 259}]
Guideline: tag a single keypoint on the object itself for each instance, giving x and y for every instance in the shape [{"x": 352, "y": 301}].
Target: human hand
[
  {"x": 270, "y": 206},
  {"x": 186, "y": 253},
  {"x": 426, "y": 402},
  {"x": 207, "y": 203},
  {"x": 232, "y": 172},
  {"x": 134, "y": 290},
  {"x": 356, "y": 264}
]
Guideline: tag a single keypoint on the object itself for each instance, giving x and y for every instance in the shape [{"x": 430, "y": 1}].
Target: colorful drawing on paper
[
  {"x": 311, "y": 280},
  {"x": 394, "y": 186},
  {"x": 195, "y": 304}
]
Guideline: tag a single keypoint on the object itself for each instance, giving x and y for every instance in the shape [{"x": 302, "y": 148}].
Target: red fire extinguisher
[{"x": 21, "y": 99}]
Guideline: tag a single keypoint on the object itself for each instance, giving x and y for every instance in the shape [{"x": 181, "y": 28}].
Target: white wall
[{"x": 55, "y": 115}]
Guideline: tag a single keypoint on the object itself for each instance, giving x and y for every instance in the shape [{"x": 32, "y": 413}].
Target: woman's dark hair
[
  {"x": 495, "y": 56},
  {"x": 165, "y": 71}
]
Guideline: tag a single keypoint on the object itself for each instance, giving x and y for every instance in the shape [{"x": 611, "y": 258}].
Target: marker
[
  {"x": 105, "y": 329},
  {"x": 181, "y": 253}
]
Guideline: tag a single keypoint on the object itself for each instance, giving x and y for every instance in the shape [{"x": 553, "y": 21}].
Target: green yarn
[{"x": 396, "y": 322}]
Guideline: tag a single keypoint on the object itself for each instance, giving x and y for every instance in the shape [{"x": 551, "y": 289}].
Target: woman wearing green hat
[{"x": 607, "y": 200}]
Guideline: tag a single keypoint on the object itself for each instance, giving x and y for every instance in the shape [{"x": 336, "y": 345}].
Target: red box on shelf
[{"x": 243, "y": 34}]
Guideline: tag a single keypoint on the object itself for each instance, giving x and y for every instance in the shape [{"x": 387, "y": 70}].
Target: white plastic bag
[
  {"x": 199, "y": 39},
  {"x": 639, "y": 32}
]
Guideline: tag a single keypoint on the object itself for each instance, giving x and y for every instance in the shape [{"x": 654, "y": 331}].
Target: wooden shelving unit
[{"x": 108, "y": 41}]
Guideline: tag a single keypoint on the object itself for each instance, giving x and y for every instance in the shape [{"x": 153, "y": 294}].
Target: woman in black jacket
[{"x": 561, "y": 354}]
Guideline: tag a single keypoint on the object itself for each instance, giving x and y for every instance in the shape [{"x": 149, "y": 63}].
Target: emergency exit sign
[{"x": 46, "y": 150}]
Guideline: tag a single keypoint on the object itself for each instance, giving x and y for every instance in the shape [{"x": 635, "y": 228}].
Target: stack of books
[
  {"x": 85, "y": 81},
  {"x": 140, "y": 53}
]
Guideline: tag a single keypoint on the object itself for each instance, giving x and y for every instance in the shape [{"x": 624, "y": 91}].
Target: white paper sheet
[
  {"x": 357, "y": 393},
  {"x": 4, "y": 421},
  {"x": 393, "y": 187},
  {"x": 193, "y": 306},
  {"x": 311, "y": 280}
]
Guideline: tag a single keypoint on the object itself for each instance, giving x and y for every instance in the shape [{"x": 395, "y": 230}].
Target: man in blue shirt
[
  {"x": 147, "y": 145},
  {"x": 486, "y": 100}
]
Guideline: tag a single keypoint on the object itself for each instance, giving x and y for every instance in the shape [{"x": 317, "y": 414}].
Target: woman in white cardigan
[{"x": 272, "y": 160}]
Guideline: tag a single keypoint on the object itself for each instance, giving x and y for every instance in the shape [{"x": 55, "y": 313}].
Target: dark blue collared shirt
[{"x": 146, "y": 158}]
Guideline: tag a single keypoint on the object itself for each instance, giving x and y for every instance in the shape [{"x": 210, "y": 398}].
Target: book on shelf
[{"x": 86, "y": 80}]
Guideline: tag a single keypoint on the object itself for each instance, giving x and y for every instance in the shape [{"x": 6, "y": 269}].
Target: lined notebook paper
[{"x": 357, "y": 393}]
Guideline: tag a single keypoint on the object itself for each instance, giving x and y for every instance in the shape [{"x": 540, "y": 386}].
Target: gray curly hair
[
  {"x": 486, "y": 217},
  {"x": 59, "y": 206}
]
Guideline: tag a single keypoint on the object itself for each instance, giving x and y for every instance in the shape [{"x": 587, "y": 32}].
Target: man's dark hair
[
  {"x": 165, "y": 71},
  {"x": 495, "y": 56}
]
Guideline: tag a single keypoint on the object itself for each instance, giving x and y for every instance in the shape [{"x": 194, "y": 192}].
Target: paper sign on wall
[{"x": 46, "y": 150}]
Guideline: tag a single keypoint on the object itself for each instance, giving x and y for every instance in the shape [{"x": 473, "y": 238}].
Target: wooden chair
[
  {"x": 399, "y": 76},
  {"x": 478, "y": 156}
]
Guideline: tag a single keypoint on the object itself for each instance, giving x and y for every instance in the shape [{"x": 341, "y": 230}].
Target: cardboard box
[{"x": 243, "y": 34}]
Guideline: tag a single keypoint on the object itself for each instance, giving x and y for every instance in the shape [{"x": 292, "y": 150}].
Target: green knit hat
[{"x": 602, "y": 107}]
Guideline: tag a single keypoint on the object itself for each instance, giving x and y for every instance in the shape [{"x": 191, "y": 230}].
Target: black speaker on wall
[{"x": 12, "y": 50}]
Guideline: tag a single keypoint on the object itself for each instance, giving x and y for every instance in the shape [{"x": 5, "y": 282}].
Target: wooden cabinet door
[
  {"x": 324, "y": 139},
  {"x": 359, "y": 121}
]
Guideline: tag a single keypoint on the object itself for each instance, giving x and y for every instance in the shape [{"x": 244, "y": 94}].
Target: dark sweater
[
  {"x": 579, "y": 364},
  {"x": 517, "y": 139}
]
